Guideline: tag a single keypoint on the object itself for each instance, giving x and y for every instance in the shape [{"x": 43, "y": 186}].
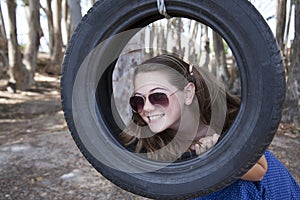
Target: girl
[{"x": 173, "y": 119}]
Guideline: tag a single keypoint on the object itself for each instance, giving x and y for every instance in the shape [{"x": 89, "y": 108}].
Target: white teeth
[{"x": 155, "y": 117}]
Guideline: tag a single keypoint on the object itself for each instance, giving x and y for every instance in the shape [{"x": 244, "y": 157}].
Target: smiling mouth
[{"x": 155, "y": 117}]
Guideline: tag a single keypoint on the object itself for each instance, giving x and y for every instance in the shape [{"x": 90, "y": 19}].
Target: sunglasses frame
[{"x": 151, "y": 101}]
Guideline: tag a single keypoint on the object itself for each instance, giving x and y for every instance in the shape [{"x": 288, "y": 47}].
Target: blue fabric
[{"x": 277, "y": 184}]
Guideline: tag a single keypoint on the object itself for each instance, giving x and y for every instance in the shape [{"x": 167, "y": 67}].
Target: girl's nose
[{"x": 148, "y": 106}]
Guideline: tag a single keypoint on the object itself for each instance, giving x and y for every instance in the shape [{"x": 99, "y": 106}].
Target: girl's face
[{"x": 159, "y": 118}]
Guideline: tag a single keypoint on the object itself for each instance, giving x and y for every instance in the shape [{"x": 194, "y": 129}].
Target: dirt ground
[{"x": 39, "y": 160}]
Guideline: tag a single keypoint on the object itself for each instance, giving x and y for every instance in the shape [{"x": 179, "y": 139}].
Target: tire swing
[{"x": 91, "y": 115}]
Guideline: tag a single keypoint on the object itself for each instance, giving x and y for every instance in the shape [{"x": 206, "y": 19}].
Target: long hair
[{"x": 138, "y": 136}]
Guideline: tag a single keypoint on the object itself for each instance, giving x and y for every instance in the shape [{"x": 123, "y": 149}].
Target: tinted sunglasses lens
[
  {"x": 136, "y": 103},
  {"x": 159, "y": 99}
]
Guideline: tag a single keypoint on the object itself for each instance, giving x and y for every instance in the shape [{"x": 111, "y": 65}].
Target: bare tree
[
  {"x": 179, "y": 27},
  {"x": 34, "y": 35},
  {"x": 49, "y": 14},
  {"x": 72, "y": 15},
  {"x": 161, "y": 39},
  {"x": 133, "y": 54},
  {"x": 67, "y": 18},
  {"x": 193, "y": 29},
  {"x": 286, "y": 39},
  {"x": 173, "y": 38},
  {"x": 57, "y": 53},
  {"x": 292, "y": 104},
  {"x": 2, "y": 26},
  {"x": 19, "y": 75},
  {"x": 220, "y": 57},
  {"x": 3, "y": 49},
  {"x": 281, "y": 20},
  {"x": 75, "y": 12},
  {"x": 204, "y": 58},
  {"x": 153, "y": 32}
]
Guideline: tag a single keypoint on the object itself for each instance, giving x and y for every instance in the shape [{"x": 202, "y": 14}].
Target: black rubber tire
[{"x": 87, "y": 100}]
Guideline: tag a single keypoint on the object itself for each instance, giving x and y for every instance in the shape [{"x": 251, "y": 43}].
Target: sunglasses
[{"x": 137, "y": 102}]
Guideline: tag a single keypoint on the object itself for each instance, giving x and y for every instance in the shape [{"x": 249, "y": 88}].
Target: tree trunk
[
  {"x": 152, "y": 33},
  {"x": 2, "y": 26},
  {"x": 220, "y": 57},
  {"x": 204, "y": 58},
  {"x": 3, "y": 49},
  {"x": 280, "y": 23},
  {"x": 19, "y": 75},
  {"x": 161, "y": 40},
  {"x": 292, "y": 103},
  {"x": 32, "y": 47},
  {"x": 192, "y": 54},
  {"x": 179, "y": 26},
  {"x": 75, "y": 12},
  {"x": 286, "y": 39},
  {"x": 57, "y": 54},
  {"x": 67, "y": 18},
  {"x": 134, "y": 54},
  {"x": 48, "y": 12}
]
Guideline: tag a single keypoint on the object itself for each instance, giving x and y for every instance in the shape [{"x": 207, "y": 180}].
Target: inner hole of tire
[{"x": 192, "y": 41}]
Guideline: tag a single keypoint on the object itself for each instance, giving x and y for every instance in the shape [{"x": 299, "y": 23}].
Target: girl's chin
[
  {"x": 155, "y": 130},
  {"x": 159, "y": 126}
]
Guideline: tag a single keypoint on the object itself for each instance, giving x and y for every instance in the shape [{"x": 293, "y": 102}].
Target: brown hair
[{"x": 139, "y": 137}]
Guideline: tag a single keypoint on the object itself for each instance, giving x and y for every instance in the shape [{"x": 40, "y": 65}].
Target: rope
[{"x": 162, "y": 8}]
